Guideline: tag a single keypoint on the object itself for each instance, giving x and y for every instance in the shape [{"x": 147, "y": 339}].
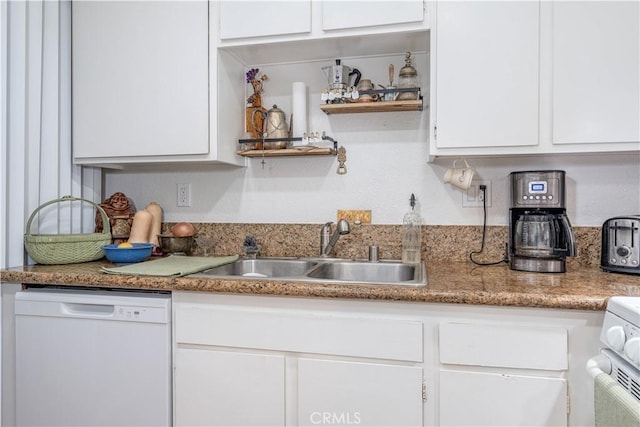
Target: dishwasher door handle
[{"x": 94, "y": 310}]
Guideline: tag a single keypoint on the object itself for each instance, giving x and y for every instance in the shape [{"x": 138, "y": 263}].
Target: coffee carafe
[
  {"x": 540, "y": 234},
  {"x": 338, "y": 76}
]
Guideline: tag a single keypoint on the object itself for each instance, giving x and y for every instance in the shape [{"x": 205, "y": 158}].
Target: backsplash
[{"x": 439, "y": 243}]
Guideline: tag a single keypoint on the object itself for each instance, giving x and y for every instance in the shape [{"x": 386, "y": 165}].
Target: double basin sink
[{"x": 324, "y": 270}]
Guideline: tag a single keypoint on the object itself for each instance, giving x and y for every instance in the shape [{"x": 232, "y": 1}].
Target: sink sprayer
[{"x": 328, "y": 240}]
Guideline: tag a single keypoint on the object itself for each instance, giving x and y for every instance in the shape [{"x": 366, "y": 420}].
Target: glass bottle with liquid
[{"x": 411, "y": 235}]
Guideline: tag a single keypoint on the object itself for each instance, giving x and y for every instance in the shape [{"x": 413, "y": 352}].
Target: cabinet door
[
  {"x": 596, "y": 69},
  {"x": 140, "y": 78},
  {"x": 221, "y": 388},
  {"x": 332, "y": 392},
  {"x": 486, "y": 74},
  {"x": 504, "y": 346},
  {"x": 492, "y": 399},
  {"x": 340, "y": 14},
  {"x": 239, "y": 19}
]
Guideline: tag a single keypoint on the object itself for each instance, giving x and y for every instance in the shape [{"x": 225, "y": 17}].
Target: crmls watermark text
[{"x": 333, "y": 418}]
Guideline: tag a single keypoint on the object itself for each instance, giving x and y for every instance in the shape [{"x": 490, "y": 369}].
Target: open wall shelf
[
  {"x": 372, "y": 107},
  {"x": 288, "y": 152},
  {"x": 303, "y": 150},
  {"x": 377, "y": 106}
]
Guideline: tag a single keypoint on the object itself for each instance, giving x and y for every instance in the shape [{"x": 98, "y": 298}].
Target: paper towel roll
[{"x": 299, "y": 108}]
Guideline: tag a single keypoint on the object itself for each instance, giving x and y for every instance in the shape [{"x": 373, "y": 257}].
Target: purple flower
[{"x": 251, "y": 74}]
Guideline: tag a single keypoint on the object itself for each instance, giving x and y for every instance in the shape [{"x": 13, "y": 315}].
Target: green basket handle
[{"x": 106, "y": 226}]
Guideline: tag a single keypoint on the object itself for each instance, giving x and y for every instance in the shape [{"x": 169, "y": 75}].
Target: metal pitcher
[{"x": 276, "y": 127}]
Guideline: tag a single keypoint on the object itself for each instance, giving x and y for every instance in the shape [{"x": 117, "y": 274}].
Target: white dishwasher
[{"x": 93, "y": 358}]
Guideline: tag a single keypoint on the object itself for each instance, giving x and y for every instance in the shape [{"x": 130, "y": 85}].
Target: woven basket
[{"x": 67, "y": 248}]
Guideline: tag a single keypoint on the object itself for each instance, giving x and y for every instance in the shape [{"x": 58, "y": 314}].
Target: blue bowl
[{"x": 139, "y": 252}]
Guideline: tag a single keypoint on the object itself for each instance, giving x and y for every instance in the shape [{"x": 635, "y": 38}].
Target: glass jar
[{"x": 408, "y": 78}]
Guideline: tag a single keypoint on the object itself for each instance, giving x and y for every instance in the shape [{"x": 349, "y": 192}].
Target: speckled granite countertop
[{"x": 585, "y": 288}]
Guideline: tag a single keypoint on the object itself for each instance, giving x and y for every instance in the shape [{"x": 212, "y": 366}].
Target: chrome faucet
[{"x": 327, "y": 240}]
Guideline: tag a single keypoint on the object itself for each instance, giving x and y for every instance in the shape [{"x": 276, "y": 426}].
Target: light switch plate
[{"x": 354, "y": 216}]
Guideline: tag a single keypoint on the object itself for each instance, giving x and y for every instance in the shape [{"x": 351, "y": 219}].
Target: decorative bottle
[{"x": 411, "y": 235}]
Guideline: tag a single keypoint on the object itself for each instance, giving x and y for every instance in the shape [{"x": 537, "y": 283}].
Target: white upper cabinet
[
  {"x": 141, "y": 84},
  {"x": 239, "y": 19},
  {"x": 486, "y": 74},
  {"x": 596, "y": 72},
  {"x": 137, "y": 89},
  {"x": 340, "y": 14},
  {"x": 164, "y": 81},
  {"x": 291, "y": 31},
  {"x": 511, "y": 78}
]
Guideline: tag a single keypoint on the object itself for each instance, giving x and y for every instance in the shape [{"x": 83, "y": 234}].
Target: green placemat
[{"x": 173, "y": 265}]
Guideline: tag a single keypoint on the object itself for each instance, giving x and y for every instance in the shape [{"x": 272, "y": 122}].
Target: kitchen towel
[
  {"x": 173, "y": 265},
  {"x": 614, "y": 406}
]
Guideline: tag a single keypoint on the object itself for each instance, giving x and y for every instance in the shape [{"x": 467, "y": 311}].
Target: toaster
[{"x": 621, "y": 245}]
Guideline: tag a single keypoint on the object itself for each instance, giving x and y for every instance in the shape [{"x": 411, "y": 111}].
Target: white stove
[
  {"x": 621, "y": 336},
  {"x": 621, "y": 328}
]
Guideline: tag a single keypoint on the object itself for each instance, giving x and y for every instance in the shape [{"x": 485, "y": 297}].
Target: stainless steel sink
[
  {"x": 384, "y": 272},
  {"x": 263, "y": 267},
  {"x": 324, "y": 270}
]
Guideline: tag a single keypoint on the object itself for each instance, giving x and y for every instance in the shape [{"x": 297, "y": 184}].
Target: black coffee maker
[{"x": 540, "y": 235}]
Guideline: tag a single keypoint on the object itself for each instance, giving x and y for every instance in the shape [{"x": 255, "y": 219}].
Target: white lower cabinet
[
  {"x": 503, "y": 375},
  {"x": 244, "y": 365},
  {"x": 471, "y": 398},
  {"x": 337, "y": 392},
  {"x": 246, "y": 360},
  {"x": 228, "y": 388}
]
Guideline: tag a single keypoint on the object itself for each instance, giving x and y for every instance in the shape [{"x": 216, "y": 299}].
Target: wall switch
[
  {"x": 354, "y": 217},
  {"x": 474, "y": 197},
  {"x": 183, "y": 195}
]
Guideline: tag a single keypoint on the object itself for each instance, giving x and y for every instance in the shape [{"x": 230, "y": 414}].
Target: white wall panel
[
  {"x": 35, "y": 159},
  {"x": 36, "y": 127}
]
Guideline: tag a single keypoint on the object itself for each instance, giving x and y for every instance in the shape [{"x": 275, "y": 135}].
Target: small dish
[{"x": 139, "y": 252}]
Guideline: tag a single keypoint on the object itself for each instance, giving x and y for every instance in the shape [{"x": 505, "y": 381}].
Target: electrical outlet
[
  {"x": 474, "y": 197},
  {"x": 183, "y": 197}
]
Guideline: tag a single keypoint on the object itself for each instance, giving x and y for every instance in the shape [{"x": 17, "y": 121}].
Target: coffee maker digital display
[
  {"x": 540, "y": 235},
  {"x": 538, "y": 187}
]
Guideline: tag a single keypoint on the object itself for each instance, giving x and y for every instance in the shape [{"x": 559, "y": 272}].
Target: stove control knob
[
  {"x": 623, "y": 251},
  {"x": 632, "y": 350},
  {"x": 616, "y": 337}
]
